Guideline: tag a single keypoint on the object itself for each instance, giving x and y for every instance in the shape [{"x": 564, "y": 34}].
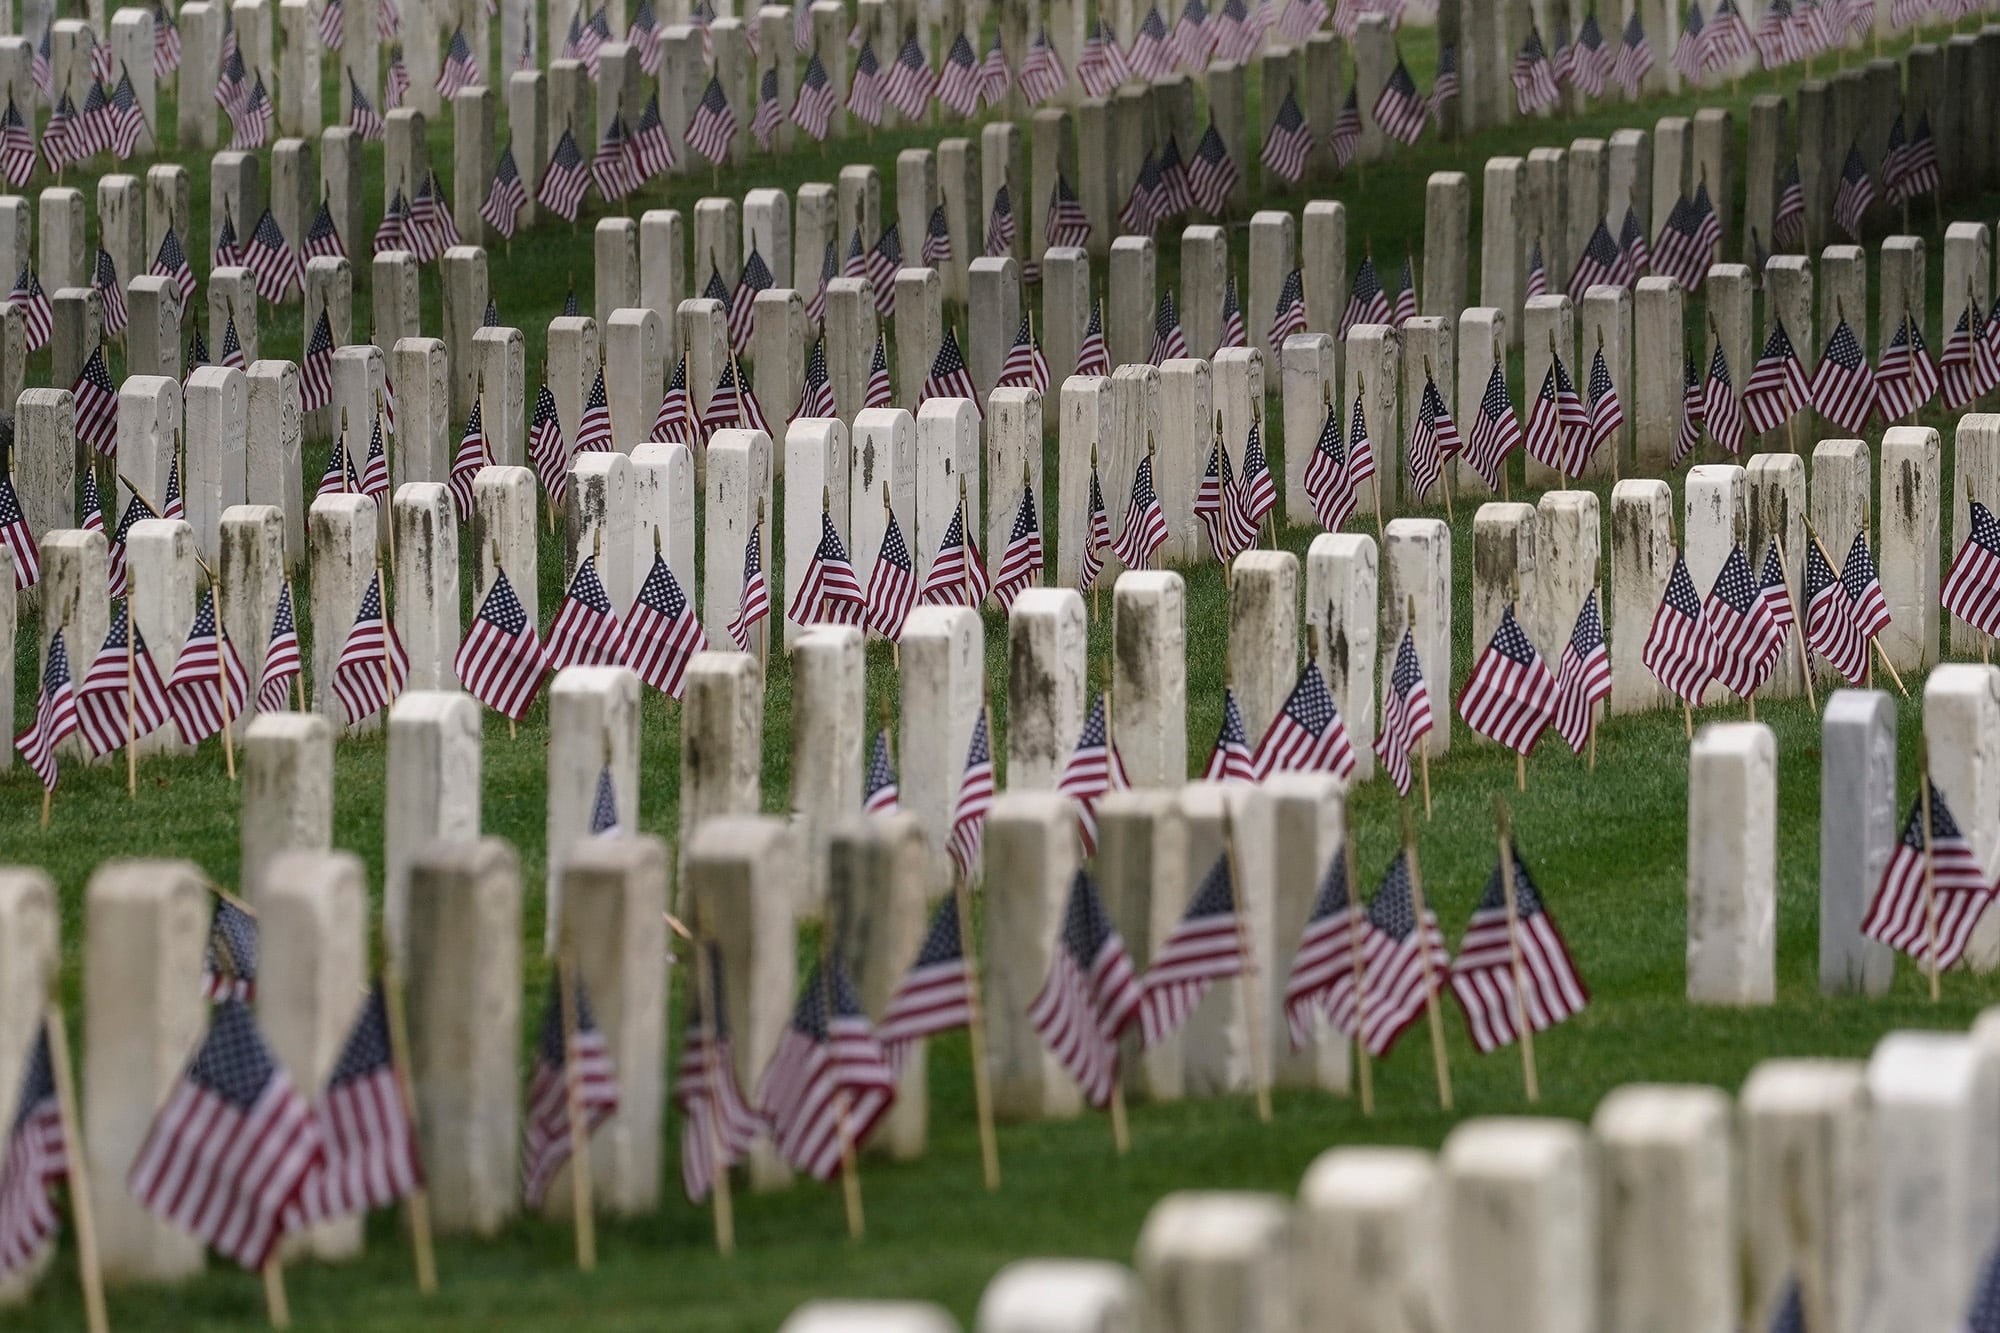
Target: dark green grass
[{"x": 1608, "y": 850}]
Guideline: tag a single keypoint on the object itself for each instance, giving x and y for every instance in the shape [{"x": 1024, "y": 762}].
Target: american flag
[
  {"x": 1090, "y": 996},
  {"x": 1599, "y": 263},
  {"x": 1729, "y": 37},
  {"x": 593, "y": 433},
  {"x": 1959, "y": 371},
  {"x": 949, "y": 377},
  {"x": 171, "y": 503},
  {"x": 1322, "y": 976},
  {"x": 1744, "y": 641},
  {"x": 96, "y": 405},
  {"x": 1022, "y": 562},
  {"x": 1777, "y": 594},
  {"x": 1367, "y": 303},
  {"x": 506, "y": 197},
  {"x": 251, "y": 119},
  {"x": 209, "y": 687},
  {"x": 1101, "y": 67},
  {"x": 120, "y": 698},
  {"x": 362, "y": 117},
  {"x": 829, "y": 594},
  {"x": 1093, "y": 356},
  {"x": 812, "y": 109},
  {"x": 93, "y": 131},
  {"x": 719, "y": 1125},
  {"x": 1042, "y": 75},
  {"x": 1212, "y": 175},
  {"x": 1193, "y": 41},
  {"x": 1406, "y": 713},
  {"x": 501, "y": 661},
  {"x": 564, "y": 182},
  {"x": 958, "y": 84},
  {"x": 1230, "y": 760},
  {"x": 1144, "y": 208},
  {"x": 957, "y": 575},
  {"x": 316, "y": 373},
  {"x": 1678, "y": 650},
  {"x": 643, "y": 34},
  {"x": 232, "y": 345},
  {"x": 1538, "y": 272},
  {"x": 17, "y": 146},
  {"x": 1259, "y": 494},
  {"x": 829, "y": 269},
  {"x": 1446, "y": 85},
  {"x": 1025, "y": 366},
  {"x": 661, "y": 632},
  {"x": 392, "y": 232},
  {"x": 1534, "y": 79},
  {"x": 892, "y": 584},
  {"x": 1895, "y": 162},
  {"x": 1780, "y": 39},
  {"x": 229, "y": 959},
  {"x": 1404, "y": 959},
  {"x": 878, "y": 393},
  {"x": 881, "y": 265},
  {"x": 1607, "y": 414},
  {"x": 1290, "y": 316},
  {"x": 1169, "y": 342},
  {"x": 1855, "y": 194},
  {"x": 372, "y": 668},
  {"x": 1777, "y": 387},
  {"x": 1097, "y": 537},
  {"x": 909, "y": 84},
  {"x": 1972, "y": 589},
  {"x": 1690, "y": 49},
  {"x": 1920, "y": 162},
  {"x": 1507, "y": 969},
  {"x": 742, "y": 304},
  {"x": 60, "y": 137},
  {"x": 611, "y": 168},
  {"x": 1929, "y": 911},
  {"x": 1986, "y": 350},
  {"x": 1406, "y": 293},
  {"x": 323, "y": 236},
  {"x": 975, "y": 798},
  {"x": 1218, "y": 507},
  {"x": 1307, "y": 735},
  {"x": 36, "y": 1159},
  {"x": 1843, "y": 388},
  {"x": 769, "y": 115},
  {"x": 431, "y": 227},
  {"x": 1864, "y": 586},
  {"x": 1232, "y": 317},
  {"x": 1687, "y": 242},
  {"x": 1176, "y": 196},
  {"x": 465, "y": 464},
  {"x": 1495, "y": 434},
  {"x": 816, "y": 394},
  {"x": 123, "y": 122},
  {"x": 568, "y": 1039},
  {"x": 864, "y": 90},
  {"x": 1720, "y": 410},
  {"x": 1066, "y": 224},
  {"x": 1093, "y": 769},
  {"x": 93, "y": 506},
  {"x": 1511, "y": 695},
  {"x": 1559, "y": 425},
  {"x": 585, "y": 631},
  {"x": 1908, "y": 378},
  {"x": 1206, "y": 946},
  {"x": 1833, "y": 628},
  {"x": 1145, "y": 527},
  {"x": 829, "y": 1082},
  {"x": 1590, "y": 60},
  {"x": 460, "y": 69},
  {"x": 229, "y": 1155},
  {"x": 1400, "y": 110},
  {"x": 1433, "y": 439},
  {"x": 546, "y": 447},
  {"x": 1583, "y": 678},
  {"x": 1151, "y": 55},
  {"x": 281, "y": 657},
  {"x": 674, "y": 422},
  {"x": 167, "y": 42},
  {"x": 994, "y": 77},
  {"x": 881, "y": 796},
  {"x": 339, "y": 477},
  {"x": 1789, "y": 228},
  {"x": 172, "y": 262},
  {"x": 1289, "y": 140},
  {"x": 1635, "y": 257},
  {"x": 935, "y": 995},
  {"x": 753, "y": 604},
  {"x": 136, "y": 510},
  {"x": 937, "y": 239},
  {"x": 365, "y": 1125}
]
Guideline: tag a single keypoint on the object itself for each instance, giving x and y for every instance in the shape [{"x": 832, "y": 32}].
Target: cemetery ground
[{"x": 1608, "y": 849}]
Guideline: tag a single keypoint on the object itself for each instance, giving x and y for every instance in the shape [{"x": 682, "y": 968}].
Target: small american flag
[
  {"x": 1259, "y": 493},
  {"x": 949, "y": 377},
  {"x": 1218, "y": 507},
  {"x": 1230, "y": 760},
  {"x": 63, "y": 138},
  {"x": 1327, "y": 483},
  {"x": 816, "y": 394},
  {"x": 392, "y": 231},
  {"x": 1101, "y": 67},
  {"x": 1404, "y": 959},
  {"x": 661, "y": 632},
  {"x": 1506, "y": 970},
  {"x": 829, "y": 269},
  {"x": 362, "y": 117},
  {"x": 1401, "y": 110},
  {"x": 1590, "y": 60},
  {"x": 1289, "y": 140},
  {"x": 1323, "y": 974},
  {"x": 172, "y": 262},
  {"x": 232, "y": 1150},
  {"x": 1534, "y": 78},
  {"x": 547, "y": 448},
  {"x": 674, "y": 422},
  {"x": 829, "y": 594},
  {"x": 1097, "y": 538},
  {"x": 1777, "y": 387},
  {"x": 1678, "y": 251},
  {"x": 1169, "y": 342},
  {"x": 975, "y": 798},
  {"x": 232, "y": 346},
  {"x": 754, "y": 602},
  {"x": 1445, "y": 88},
  {"x": 460, "y": 69},
  {"x": 1042, "y": 75},
  {"x": 252, "y": 118},
  {"x": 593, "y": 433},
  {"x": 770, "y": 115},
  {"x": 564, "y": 181},
  {"x": 1205, "y": 947},
  {"x": 1066, "y": 224},
  {"x": 545, "y": 1138},
  {"x": 937, "y": 239},
  {"x": 281, "y": 657},
  {"x": 507, "y": 196},
  {"x": 323, "y": 236},
  {"x": 812, "y": 109},
  {"x": 1510, "y": 696},
  {"x": 1907, "y": 379},
  {"x": 1744, "y": 641},
  {"x": 372, "y": 668},
  {"x": 1021, "y": 564},
  {"x": 1583, "y": 678},
  {"x": 1688, "y": 51},
  {"x": 1212, "y": 175},
  {"x": 1776, "y": 592},
  {"x": 1144, "y": 208},
  {"x": 1025, "y": 366},
  {"x": 957, "y": 575},
  {"x": 892, "y": 584},
  {"x": 104, "y": 281},
  {"x": 1959, "y": 371},
  {"x": 1920, "y": 162},
  {"x": 1635, "y": 257},
  {"x": 1232, "y": 317},
  {"x": 1843, "y": 388},
  {"x": 120, "y": 698},
  {"x": 365, "y": 1125},
  {"x": 1895, "y": 162},
  {"x": 1290, "y": 316},
  {"x": 1367, "y": 303},
  {"x": 96, "y": 405},
  {"x": 167, "y": 42},
  {"x": 1093, "y": 357},
  {"x": 881, "y": 796},
  {"x": 1406, "y": 713},
  {"x": 1729, "y": 37},
  {"x": 1307, "y": 735},
  {"x": 1406, "y": 293},
  {"x": 339, "y": 477},
  {"x": 1175, "y": 196},
  {"x": 1151, "y": 55},
  {"x": 466, "y": 463},
  {"x": 1720, "y": 410},
  {"x": 1855, "y": 195},
  {"x": 1538, "y": 272},
  {"x": 1434, "y": 439},
  {"x": 35, "y": 1161},
  {"x": 1678, "y": 650},
  {"x": 611, "y": 167},
  {"x": 209, "y": 687},
  {"x": 1972, "y": 590},
  {"x": 93, "y": 505},
  {"x": 1558, "y": 426},
  {"x": 1607, "y": 414},
  {"x": 1928, "y": 912},
  {"x": 909, "y": 83},
  {"x": 1145, "y": 527},
  {"x": 935, "y": 995},
  {"x": 829, "y": 1082},
  {"x": 229, "y": 960},
  {"x": 1598, "y": 264},
  {"x": 1093, "y": 768},
  {"x": 864, "y": 90},
  {"x": 136, "y": 510},
  {"x": 1833, "y": 628},
  {"x": 604, "y": 807},
  {"x": 1789, "y": 228},
  {"x": 1495, "y": 434},
  {"x": 1090, "y": 996},
  {"x": 958, "y": 84},
  {"x": 1864, "y": 586},
  {"x": 742, "y": 304},
  {"x": 431, "y": 230},
  {"x": 719, "y": 1126},
  {"x": 1193, "y": 41},
  {"x": 878, "y": 393},
  {"x": 501, "y": 662},
  {"x": 882, "y": 263}
]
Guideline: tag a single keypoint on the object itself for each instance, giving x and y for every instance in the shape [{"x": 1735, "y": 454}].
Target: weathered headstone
[{"x": 1732, "y": 864}]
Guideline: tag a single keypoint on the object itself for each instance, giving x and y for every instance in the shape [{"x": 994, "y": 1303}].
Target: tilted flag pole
[
  {"x": 975, "y": 1021},
  {"x": 1519, "y": 972},
  {"x": 711, "y": 999},
  {"x": 850, "y": 1171},
  {"x": 1246, "y": 978},
  {"x": 1354, "y": 953},
  {"x": 1930, "y": 864},
  {"x": 1424, "y": 954},
  {"x": 419, "y": 1199},
  {"x": 89, "y": 1271},
  {"x": 581, "y": 1207}
]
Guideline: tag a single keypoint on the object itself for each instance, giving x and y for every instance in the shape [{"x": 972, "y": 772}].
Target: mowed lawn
[{"x": 1608, "y": 849}]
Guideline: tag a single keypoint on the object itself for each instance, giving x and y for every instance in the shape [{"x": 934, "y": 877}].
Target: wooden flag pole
[
  {"x": 1799, "y": 617},
  {"x": 1520, "y": 759},
  {"x": 1930, "y": 864},
  {"x": 222, "y": 681},
  {"x": 298, "y": 677},
  {"x": 549, "y": 509},
  {"x": 419, "y": 1200},
  {"x": 1375, "y": 481},
  {"x": 1268, "y": 524},
  {"x": 1562, "y": 477},
  {"x": 89, "y": 1271},
  {"x": 1521, "y": 1023},
  {"x": 579, "y": 1133},
  {"x": 1354, "y": 952},
  {"x": 975, "y": 1026},
  {"x": 388, "y": 628},
  {"x": 1253, "y": 1009},
  {"x": 725, "y": 1206},
  {"x": 275, "y": 1303},
  {"x": 1423, "y": 748},
  {"x": 1121, "y": 1136},
  {"x": 1424, "y": 955},
  {"x": 132, "y": 703},
  {"x": 850, "y": 1171},
  {"x": 1087, "y": 536}
]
